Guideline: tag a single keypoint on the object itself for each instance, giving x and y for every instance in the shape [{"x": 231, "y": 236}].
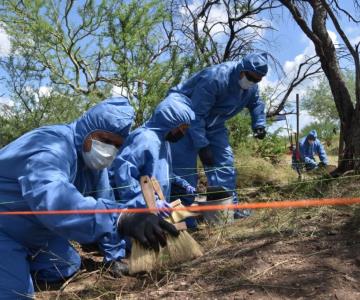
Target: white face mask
[
  {"x": 100, "y": 156},
  {"x": 245, "y": 84}
]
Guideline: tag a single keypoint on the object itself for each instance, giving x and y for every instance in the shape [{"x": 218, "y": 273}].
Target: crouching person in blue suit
[
  {"x": 217, "y": 94},
  {"x": 309, "y": 147},
  {"x": 63, "y": 167}
]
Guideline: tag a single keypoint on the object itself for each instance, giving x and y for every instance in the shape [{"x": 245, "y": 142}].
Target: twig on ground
[
  {"x": 67, "y": 282},
  {"x": 284, "y": 262}
]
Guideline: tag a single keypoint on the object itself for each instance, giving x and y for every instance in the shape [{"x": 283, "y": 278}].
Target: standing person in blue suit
[
  {"x": 310, "y": 146},
  {"x": 217, "y": 94},
  {"x": 147, "y": 152},
  {"x": 62, "y": 167}
]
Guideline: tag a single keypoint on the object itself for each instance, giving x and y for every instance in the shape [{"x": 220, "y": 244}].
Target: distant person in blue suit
[{"x": 309, "y": 147}]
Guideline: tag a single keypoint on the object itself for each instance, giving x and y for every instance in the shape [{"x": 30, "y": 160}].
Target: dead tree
[
  {"x": 308, "y": 69},
  {"x": 222, "y": 30}
]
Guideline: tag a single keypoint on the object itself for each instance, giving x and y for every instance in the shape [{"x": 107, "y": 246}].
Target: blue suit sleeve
[
  {"x": 305, "y": 155},
  {"x": 322, "y": 154},
  {"x": 112, "y": 245},
  {"x": 310, "y": 161},
  {"x": 103, "y": 188},
  {"x": 126, "y": 178},
  {"x": 46, "y": 186},
  {"x": 203, "y": 99},
  {"x": 257, "y": 110},
  {"x": 177, "y": 180},
  {"x": 130, "y": 165}
]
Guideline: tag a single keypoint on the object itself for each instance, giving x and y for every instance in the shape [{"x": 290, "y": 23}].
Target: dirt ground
[{"x": 290, "y": 254}]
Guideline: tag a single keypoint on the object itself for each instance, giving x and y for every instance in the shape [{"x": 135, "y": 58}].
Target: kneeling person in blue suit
[{"x": 310, "y": 146}]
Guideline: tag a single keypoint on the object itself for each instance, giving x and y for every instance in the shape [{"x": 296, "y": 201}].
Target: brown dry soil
[{"x": 284, "y": 254}]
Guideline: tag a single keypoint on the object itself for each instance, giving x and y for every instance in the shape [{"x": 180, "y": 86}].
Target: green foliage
[
  {"x": 86, "y": 47},
  {"x": 82, "y": 49},
  {"x": 272, "y": 147},
  {"x": 239, "y": 129},
  {"x": 319, "y": 101},
  {"x": 50, "y": 109},
  {"x": 136, "y": 35}
]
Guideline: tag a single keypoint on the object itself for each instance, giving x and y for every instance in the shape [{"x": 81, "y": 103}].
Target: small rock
[
  {"x": 331, "y": 232},
  {"x": 349, "y": 278},
  {"x": 251, "y": 292}
]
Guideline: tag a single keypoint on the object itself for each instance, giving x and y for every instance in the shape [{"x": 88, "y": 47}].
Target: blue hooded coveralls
[
  {"x": 146, "y": 152},
  {"x": 308, "y": 151},
  {"x": 216, "y": 97},
  {"x": 43, "y": 170}
]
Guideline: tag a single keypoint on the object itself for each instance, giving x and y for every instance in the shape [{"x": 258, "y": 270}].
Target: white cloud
[
  {"x": 5, "y": 106},
  {"x": 119, "y": 91},
  {"x": 7, "y": 101},
  {"x": 334, "y": 38},
  {"x": 4, "y": 43},
  {"x": 45, "y": 91}
]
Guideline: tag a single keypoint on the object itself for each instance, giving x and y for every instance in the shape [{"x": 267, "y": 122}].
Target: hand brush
[{"x": 183, "y": 247}]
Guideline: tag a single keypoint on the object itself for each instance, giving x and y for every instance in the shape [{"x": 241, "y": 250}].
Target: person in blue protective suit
[
  {"x": 61, "y": 167},
  {"x": 147, "y": 152},
  {"x": 310, "y": 146},
  {"x": 217, "y": 94}
]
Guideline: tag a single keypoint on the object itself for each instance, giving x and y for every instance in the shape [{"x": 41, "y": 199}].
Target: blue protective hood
[
  {"x": 256, "y": 62},
  {"x": 113, "y": 115},
  {"x": 312, "y": 134},
  {"x": 171, "y": 113}
]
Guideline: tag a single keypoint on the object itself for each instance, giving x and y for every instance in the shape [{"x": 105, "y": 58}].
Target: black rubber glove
[
  {"x": 147, "y": 228},
  {"x": 260, "y": 133},
  {"x": 206, "y": 156}
]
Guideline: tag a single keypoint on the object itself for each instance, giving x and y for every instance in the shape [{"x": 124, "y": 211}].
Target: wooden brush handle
[
  {"x": 148, "y": 192},
  {"x": 157, "y": 188}
]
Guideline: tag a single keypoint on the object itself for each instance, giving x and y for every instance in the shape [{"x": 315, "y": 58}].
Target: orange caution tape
[{"x": 257, "y": 205}]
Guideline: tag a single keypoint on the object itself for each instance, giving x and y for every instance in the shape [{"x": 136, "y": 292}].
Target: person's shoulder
[
  {"x": 141, "y": 138},
  {"x": 145, "y": 135},
  {"x": 318, "y": 142},
  {"x": 226, "y": 68},
  {"x": 59, "y": 139},
  {"x": 302, "y": 140}
]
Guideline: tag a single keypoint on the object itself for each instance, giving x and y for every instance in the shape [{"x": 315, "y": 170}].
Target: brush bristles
[
  {"x": 179, "y": 249},
  {"x": 183, "y": 247},
  {"x": 141, "y": 259}
]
